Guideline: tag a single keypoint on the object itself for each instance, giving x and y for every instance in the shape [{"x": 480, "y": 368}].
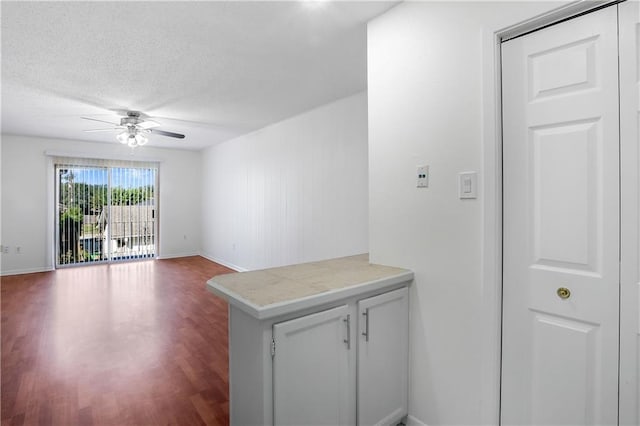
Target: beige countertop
[{"x": 268, "y": 292}]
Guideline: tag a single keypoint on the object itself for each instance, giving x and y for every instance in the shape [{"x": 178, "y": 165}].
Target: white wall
[
  {"x": 27, "y": 180},
  {"x": 292, "y": 192},
  {"x": 431, "y": 101}
]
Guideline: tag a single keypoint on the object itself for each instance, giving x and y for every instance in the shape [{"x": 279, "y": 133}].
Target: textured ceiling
[{"x": 210, "y": 70}]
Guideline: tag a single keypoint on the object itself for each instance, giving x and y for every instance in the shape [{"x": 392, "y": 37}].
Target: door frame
[{"x": 492, "y": 188}]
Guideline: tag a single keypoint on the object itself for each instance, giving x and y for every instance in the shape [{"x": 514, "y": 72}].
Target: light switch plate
[
  {"x": 422, "y": 177},
  {"x": 468, "y": 185}
]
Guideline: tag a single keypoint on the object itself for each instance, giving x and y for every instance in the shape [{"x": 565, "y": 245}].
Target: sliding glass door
[{"x": 105, "y": 213}]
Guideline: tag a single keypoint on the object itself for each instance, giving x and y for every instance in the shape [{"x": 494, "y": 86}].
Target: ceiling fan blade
[
  {"x": 102, "y": 121},
  {"x": 104, "y": 130},
  {"x": 148, "y": 124},
  {"x": 170, "y": 134}
]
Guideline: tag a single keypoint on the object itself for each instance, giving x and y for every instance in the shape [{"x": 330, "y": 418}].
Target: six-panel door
[{"x": 561, "y": 223}]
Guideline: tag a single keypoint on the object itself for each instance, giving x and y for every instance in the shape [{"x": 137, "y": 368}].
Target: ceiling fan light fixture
[
  {"x": 123, "y": 137},
  {"x": 141, "y": 139},
  {"x": 132, "y": 141},
  {"x": 135, "y": 139}
]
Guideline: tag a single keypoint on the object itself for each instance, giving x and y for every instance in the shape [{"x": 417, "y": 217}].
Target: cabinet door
[
  {"x": 383, "y": 348},
  {"x": 313, "y": 370}
]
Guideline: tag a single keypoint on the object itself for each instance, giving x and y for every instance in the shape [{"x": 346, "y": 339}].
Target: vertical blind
[{"x": 106, "y": 210}]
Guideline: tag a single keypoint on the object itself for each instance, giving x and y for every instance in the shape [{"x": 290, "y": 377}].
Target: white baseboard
[
  {"x": 176, "y": 255},
  {"x": 412, "y": 421},
  {"x": 26, "y": 271},
  {"x": 224, "y": 263}
]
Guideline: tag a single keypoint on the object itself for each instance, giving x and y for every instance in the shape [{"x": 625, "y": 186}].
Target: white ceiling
[{"x": 210, "y": 70}]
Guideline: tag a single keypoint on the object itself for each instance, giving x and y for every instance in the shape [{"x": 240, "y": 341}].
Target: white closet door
[
  {"x": 630, "y": 214},
  {"x": 561, "y": 224}
]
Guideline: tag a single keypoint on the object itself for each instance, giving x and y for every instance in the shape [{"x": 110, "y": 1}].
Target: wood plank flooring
[{"x": 125, "y": 344}]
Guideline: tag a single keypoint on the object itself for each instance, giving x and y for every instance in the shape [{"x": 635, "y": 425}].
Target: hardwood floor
[{"x": 125, "y": 344}]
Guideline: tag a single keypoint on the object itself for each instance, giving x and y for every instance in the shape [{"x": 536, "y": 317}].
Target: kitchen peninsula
[{"x": 318, "y": 343}]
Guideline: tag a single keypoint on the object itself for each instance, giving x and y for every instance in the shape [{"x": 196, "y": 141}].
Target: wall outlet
[
  {"x": 18, "y": 250},
  {"x": 422, "y": 177},
  {"x": 5, "y": 249}
]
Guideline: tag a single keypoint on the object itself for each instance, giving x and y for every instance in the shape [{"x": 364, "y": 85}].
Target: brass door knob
[{"x": 564, "y": 293}]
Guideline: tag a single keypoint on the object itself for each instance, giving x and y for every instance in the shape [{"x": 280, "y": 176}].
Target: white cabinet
[
  {"x": 383, "y": 347},
  {"x": 313, "y": 369},
  {"x": 328, "y": 363}
]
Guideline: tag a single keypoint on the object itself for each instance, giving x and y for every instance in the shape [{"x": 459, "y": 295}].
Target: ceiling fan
[{"x": 134, "y": 129}]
